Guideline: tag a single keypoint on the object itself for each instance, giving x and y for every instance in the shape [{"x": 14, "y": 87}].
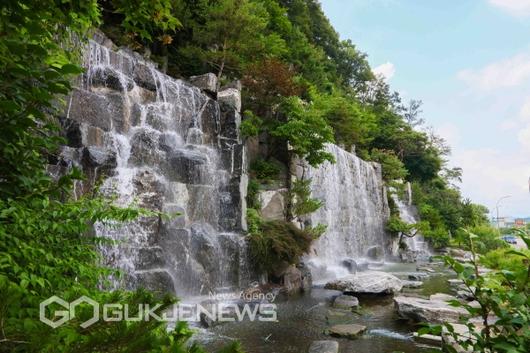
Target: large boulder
[
  {"x": 324, "y": 347},
  {"x": 368, "y": 282},
  {"x": 426, "y": 310}
]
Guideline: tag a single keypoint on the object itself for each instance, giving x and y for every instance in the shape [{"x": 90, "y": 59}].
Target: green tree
[
  {"x": 392, "y": 167},
  {"x": 230, "y": 34},
  {"x": 306, "y": 131}
]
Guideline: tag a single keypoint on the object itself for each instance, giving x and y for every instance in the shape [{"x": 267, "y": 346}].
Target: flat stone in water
[
  {"x": 412, "y": 284},
  {"x": 346, "y": 302},
  {"x": 347, "y": 331},
  {"x": 369, "y": 282},
  {"x": 324, "y": 347}
]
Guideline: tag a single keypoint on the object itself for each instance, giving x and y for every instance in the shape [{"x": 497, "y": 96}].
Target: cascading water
[
  {"x": 355, "y": 211},
  {"x": 416, "y": 245},
  {"x": 161, "y": 144}
]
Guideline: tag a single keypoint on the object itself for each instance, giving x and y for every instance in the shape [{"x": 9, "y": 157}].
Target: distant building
[
  {"x": 503, "y": 222},
  {"x": 510, "y": 222},
  {"x": 519, "y": 223}
]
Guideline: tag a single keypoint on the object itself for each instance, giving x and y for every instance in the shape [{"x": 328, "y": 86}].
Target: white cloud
[
  {"x": 490, "y": 174},
  {"x": 517, "y": 8},
  {"x": 524, "y": 113},
  {"x": 386, "y": 70},
  {"x": 509, "y": 72},
  {"x": 524, "y": 123}
]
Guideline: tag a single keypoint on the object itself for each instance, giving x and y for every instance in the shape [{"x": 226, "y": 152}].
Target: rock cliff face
[
  {"x": 169, "y": 146},
  {"x": 165, "y": 145},
  {"x": 355, "y": 211}
]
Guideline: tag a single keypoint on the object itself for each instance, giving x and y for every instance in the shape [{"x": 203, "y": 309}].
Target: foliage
[
  {"x": 352, "y": 124},
  {"x": 266, "y": 83},
  {"x": 275, "y": 243},
  {"x": 265, "y": 171},
  {"x": 144, "y": 19},
  {"x": 34, "y": 68},
  {"x": 443, "y": 208},
  {"x": 391, "y": 165},
  {"x": 398, "y": 227},
  {"x": 253, "y": 221},
  {"x": 306, "y": 131},
  {"x": 253, "y": 194},
  {"x": 503, "y": 259},
  {"x": 300, "y": 198},
  {"x": 503, "y": 294},
  {"x": 488, "y": 238},
  {"x": 250, "y": 125},
  {"x": 230, "y": 33},
  {"x": 473, "y": 214}
]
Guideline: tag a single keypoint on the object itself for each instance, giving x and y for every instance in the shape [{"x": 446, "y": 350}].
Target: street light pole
[{"x": 497, "y": 208}]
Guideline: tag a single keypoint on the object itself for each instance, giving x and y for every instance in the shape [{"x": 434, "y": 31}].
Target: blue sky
[{"x": 469, "y": 62}]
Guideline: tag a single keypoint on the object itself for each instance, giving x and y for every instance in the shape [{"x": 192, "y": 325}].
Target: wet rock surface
[
  {"x": 170, "y": 147},
  {"x": 426, "y": 310},
  {"x": 324, "y": 347},
  {"x": 368, "y": 282}
]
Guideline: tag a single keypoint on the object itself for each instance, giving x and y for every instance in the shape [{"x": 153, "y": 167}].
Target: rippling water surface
[{"x": 302, "y": 319}]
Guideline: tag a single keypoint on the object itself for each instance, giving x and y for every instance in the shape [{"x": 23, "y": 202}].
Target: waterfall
[
  {"x": 417, "y": 247},
  {"x": 162, "y": 144},
  {"x": 354, "y": 209}
]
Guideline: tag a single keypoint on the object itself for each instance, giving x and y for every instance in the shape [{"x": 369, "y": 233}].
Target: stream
[{"x": 302, "y": 319}]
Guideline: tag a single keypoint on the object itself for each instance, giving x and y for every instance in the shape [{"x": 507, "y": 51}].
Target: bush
[
  {"x": 250, "y": 125},
  {"x": 488, "y": 238},
  {"x": 253, "y": 194},
  {"x": 504, "y": 259},
  {"x": 438, "y": 237},
  {"x": 275, "y": 243},
  {"x": 502, "y": 294},
  {"x": 265, "y": 171}
]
